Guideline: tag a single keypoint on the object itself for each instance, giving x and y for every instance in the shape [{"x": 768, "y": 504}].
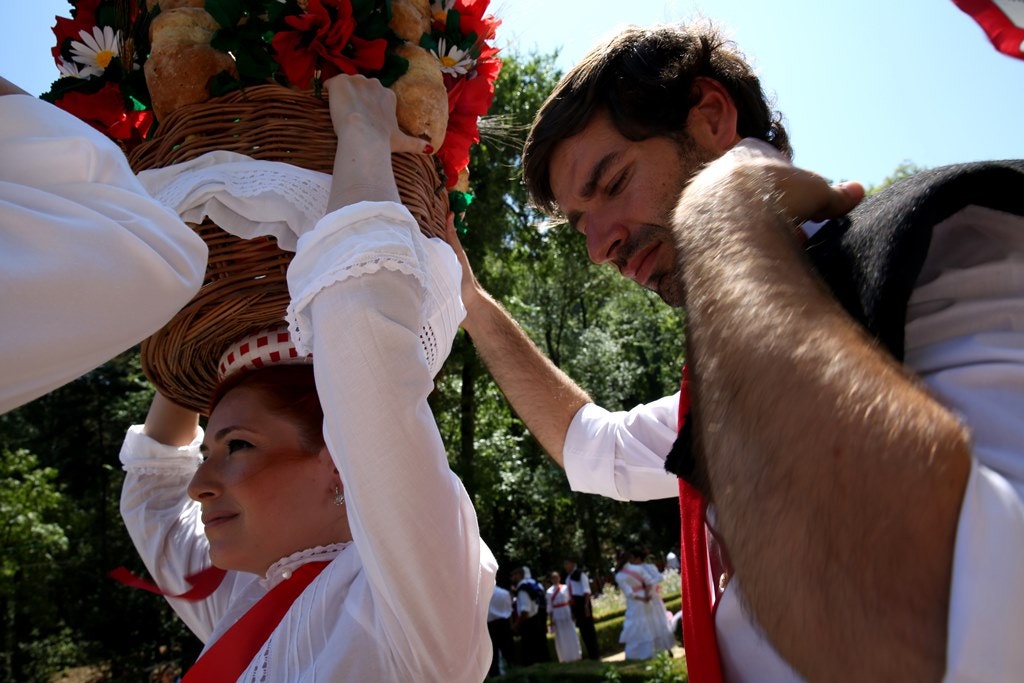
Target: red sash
[
  {"x": 640, "y": 579},
  {"x": 203, "y": 583},
  {"x": 227, "y": 659},
  {"x": 700, "y": 640},
  {"x": 554, "y": 596}
]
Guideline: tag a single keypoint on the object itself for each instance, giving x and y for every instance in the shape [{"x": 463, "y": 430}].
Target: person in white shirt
[
  {"x": 582, "y": 606},
  {"x": 800, "y": 416},
  {"x": 567, "y": 641},
  {"x": 531, "y": 617},
  {"x": 499, "y": 626},
  {"x": 321, "y": 489},
  {"x": 90, "y": 264}
]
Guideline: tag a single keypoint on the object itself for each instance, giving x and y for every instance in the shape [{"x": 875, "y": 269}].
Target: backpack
[{"x": 536, "y": 593}]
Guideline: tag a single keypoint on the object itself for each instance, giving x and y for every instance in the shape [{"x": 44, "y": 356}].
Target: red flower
[
  {"x": 69, "y": 29},
  {"x": 473, "y": 20},
  {"x": 105, "y": 111},
  {"x": 468, "y": 99},
  {"x": 324, "y": 38}
]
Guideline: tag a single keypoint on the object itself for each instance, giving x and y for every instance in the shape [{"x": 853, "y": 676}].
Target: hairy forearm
[
  {"x": 837, "y": 480},
  {"x": 543, "y": 396}
]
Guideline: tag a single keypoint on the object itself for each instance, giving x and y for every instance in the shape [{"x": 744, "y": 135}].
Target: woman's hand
[
  {"x": 364, "y": 104},
  {"x": 363, "y": 113}
]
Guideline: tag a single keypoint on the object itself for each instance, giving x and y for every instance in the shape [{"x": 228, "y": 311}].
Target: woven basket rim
[{"x": 245, "y": 288}]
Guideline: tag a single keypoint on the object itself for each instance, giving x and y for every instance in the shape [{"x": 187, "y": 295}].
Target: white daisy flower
[
  {"x": 454, "y": 61},
  {"x": 72, "y": 69},
  {"x": 96, "y": 49}
]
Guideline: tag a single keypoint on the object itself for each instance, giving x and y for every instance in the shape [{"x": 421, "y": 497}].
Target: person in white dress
[
  {"x": 328, "y": 473},
  {"x": 567, "y": 641},
  {"x": 645, "y": 631}
]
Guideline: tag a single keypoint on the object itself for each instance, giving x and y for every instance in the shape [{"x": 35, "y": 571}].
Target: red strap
[
  {"x": 699, "y": 639},
  {"x": 638, "y": 577},
  {"x": 1005, "y": 34},
  {"x": 227, "y": 659},
  {"x": 203, "y": 583}
]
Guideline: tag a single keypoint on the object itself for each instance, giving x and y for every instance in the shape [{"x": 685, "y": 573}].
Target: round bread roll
[
  {"x": 181, "y": 61},
  {"x": 182, "y": 25},
  {"x": 410, "y": 19},
  {"x": 166, "y": 5},
  {"x": 422, "y": 98}
]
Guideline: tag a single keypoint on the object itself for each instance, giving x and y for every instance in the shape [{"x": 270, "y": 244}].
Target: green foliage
[
  {"x": 61, "y": 609},
  {"x": 611, "y": 675},
  {"x": 619, "y": 342},
  {"x": 662, "y": 669},
  {"x": 904, "y": 170},
  {"x": 28, "y": 498}
]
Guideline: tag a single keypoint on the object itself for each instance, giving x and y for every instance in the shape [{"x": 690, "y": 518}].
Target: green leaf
[{"x": 227, "y": 13}]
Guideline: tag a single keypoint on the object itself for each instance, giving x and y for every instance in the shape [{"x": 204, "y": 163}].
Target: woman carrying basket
[{"x": 352, "y": 551}]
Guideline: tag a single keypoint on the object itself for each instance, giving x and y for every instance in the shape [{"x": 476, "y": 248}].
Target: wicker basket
[{"x": 245, "y": 288}]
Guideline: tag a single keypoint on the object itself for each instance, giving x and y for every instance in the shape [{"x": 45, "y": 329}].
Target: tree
[
  {"x": 904, "y": 170},
  {"x": 618, "y": 341},
  {"x": 30, "y": 539},
  {"x": 70, "y": 612}
]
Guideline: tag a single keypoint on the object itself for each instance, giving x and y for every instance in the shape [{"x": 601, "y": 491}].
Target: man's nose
[{"x": 605, "y": 238}]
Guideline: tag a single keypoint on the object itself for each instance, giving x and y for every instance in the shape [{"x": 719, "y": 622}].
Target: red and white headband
[{"x": 269, "y": 346}]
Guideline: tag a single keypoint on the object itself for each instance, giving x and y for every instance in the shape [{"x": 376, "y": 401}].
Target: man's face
[{"x": 621, "y": 194}]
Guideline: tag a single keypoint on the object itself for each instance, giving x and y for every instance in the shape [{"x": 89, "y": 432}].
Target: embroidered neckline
[{"x": 283, "y": 568}]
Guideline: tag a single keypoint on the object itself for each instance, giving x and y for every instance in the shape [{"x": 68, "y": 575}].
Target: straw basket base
[{"x": 245, "y": 288}]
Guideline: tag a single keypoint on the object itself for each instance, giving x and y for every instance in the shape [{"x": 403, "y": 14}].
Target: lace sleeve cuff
[
  {"x": 356, "y": 240},
  {"x": 142, "y": 455}
]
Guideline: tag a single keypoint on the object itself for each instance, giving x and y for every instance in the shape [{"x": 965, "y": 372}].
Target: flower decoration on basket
[{"x": 127, "y": 64}]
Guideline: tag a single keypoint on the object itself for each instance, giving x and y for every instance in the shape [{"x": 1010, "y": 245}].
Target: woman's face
[{"x": 264, "y": 496}]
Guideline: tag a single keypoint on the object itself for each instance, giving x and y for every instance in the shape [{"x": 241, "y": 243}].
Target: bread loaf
[
  {"x": 181, "y": 61},
  {"x": 422, "y": 97},
  {"x": 410, "y": 19}
]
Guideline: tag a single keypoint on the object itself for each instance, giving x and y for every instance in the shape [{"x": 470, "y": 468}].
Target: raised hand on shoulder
[{"x": 754, "y": 166}]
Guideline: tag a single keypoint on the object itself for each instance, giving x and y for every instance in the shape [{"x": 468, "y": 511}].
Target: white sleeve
[
  {"x": 585, "y": 582},
  {"x": 90, "y": 264},
  {"x": 625, "y": 585},
  {"x": 166, "y": 526},
  {"x": 965, "y": 338},
  {"x": 986, "y": 609},
  {"x": 411, "y": 519},
  {"x": 622, "y": 454}
]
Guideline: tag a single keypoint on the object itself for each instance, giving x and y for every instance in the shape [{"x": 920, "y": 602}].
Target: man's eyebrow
[{"x": 590, "y": 187}]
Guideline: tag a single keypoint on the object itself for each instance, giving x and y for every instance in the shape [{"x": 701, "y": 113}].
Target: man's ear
[{"x": 712, "y": 120}]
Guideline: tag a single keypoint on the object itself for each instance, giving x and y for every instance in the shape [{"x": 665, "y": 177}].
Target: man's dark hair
[{"x": 643, "y": 78}]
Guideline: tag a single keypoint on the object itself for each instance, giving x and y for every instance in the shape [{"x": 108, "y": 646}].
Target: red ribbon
[
  {"x": 203, "y": 583},
  {"x": 227, "y": 659},
  {"x": 701, "y": 642}
]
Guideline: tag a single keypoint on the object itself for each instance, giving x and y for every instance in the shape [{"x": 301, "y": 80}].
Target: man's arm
[
  {"x": 826, "y": 460},
  {"x": 543, "y": 396}
]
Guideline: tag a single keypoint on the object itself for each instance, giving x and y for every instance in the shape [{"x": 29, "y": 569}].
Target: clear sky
[{"x": 863, "y": 85}]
